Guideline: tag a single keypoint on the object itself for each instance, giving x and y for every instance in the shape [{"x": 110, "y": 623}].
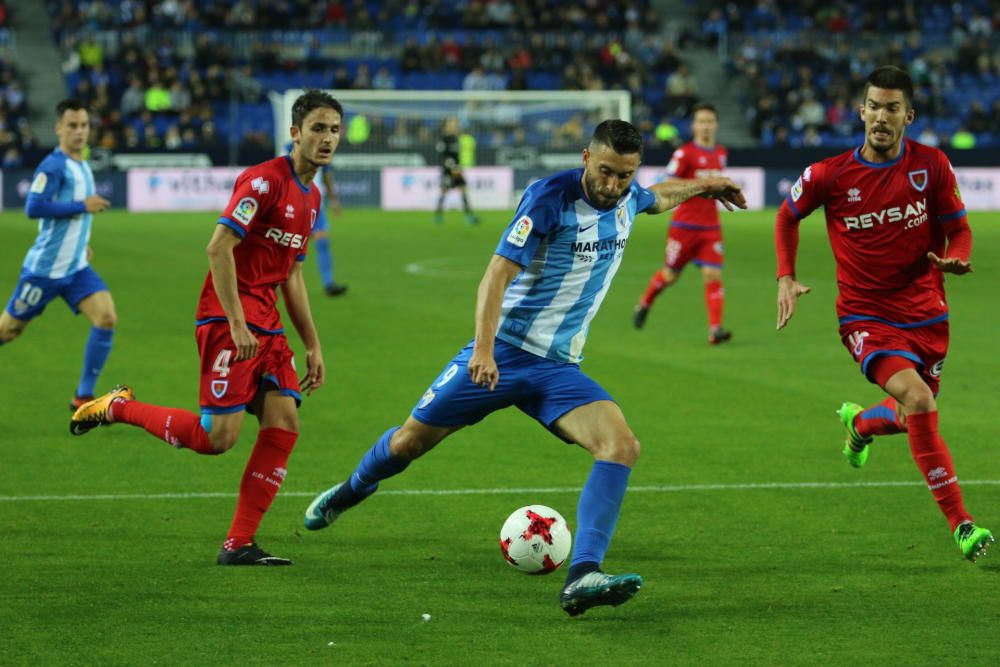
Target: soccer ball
[{"x": 535, "y": 539}]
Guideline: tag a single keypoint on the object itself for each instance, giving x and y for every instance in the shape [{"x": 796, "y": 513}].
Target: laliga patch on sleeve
[
  {"x": 38, "y": 185},
  {"x": 245, "y": 210},
  {"x": 796, "y": 190},
  {"x": 520, "y": 232}
]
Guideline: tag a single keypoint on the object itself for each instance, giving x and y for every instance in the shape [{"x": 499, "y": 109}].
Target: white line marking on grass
[{"x": 667, "y": 488}]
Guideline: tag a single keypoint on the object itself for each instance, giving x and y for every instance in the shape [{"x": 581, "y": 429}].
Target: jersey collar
[
  {"x": 291, "y": 168},
  {"x": 879, "y": 165}
]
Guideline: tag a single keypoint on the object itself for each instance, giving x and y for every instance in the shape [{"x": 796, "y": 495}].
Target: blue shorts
[
  {"x": 33, "y": 292},
  {"x": 321, "y": 223},
  {"x": 540, "y": 387}
]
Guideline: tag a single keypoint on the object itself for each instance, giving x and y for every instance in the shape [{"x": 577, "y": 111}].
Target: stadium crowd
[{"x": 805, "y": 61}]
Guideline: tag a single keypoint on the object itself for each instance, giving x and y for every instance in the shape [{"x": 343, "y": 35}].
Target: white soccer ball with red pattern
[{"x": 535, "y": 539}]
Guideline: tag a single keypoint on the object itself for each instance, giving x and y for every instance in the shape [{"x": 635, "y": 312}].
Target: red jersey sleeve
[
  {"x": 951, "y": 210},
  {"x": 809, "y": 192},
  {"x": 253, "y": 194},
  {"x": 679, "y": 167}
]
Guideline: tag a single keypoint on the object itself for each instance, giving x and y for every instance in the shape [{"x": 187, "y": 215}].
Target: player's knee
[
  {"x": 917, "y": 398},
  {"x": 409, "y": 444},
  {"x": 622, "y": 449},
  {"x": 106, "y": 320},
  {"x": 284, "y": 421}
]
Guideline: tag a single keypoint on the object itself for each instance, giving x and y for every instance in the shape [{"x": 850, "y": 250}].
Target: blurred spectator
[
  {"x": 963, "y": 139},
  {"x": 667, "y": 134},
  {"x": 157, "y": 97},
  {"x": 929, "y": 137},
  {"x": 12, "y": 158},
  {"x": 682, "y": 90},
  {"x": 383, "y": 80}
]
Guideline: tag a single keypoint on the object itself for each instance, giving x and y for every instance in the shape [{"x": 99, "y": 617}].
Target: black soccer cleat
[
  {"x": 335, "y": 289},
  {"x": 249, "y": 554},
  {"x": 719, "y": 335},
  {"x": 639, "y": 316}
]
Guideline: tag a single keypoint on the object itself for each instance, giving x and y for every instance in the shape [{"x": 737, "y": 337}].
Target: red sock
[
  {"x": 932, "y": 457},
  {"x": 262, "y": 478},
  {"x": 656, "y": 285},
  {"x": 881, "y": 419},
  {"x": 715, "y": 296},
  {"x": 174, "y": 426}
]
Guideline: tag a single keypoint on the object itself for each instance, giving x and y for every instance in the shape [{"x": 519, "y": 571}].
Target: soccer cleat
[
  {"x": 639, "y": 316},
  {"x": 855, "y": 447},
  {"x": 95, "y": 413},
  {"x": 320, "y": 514},
  {"x": 336, "y": 289},
  {"x": 438, "y": 218},
  {"x": 249, "y": 554},
  {"x": 597, "y": 588},
  {"x": 719, "y": 335},
  {"x": 973, "y": 540},
  {"x": 77, "y": 401},
  {"x": 471, "y": 219}
]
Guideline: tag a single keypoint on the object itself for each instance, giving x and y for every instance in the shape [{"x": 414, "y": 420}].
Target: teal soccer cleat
[
  {"x": 597, "y": 588},
  {"x": 319, "y": 514}
]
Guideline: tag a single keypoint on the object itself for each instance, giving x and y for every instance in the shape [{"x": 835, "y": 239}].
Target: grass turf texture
[{"x": 763, "y": 576}]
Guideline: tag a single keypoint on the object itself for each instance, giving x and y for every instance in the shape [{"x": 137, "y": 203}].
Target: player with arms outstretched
[
  {"x": 541, "y": 289},
  {"x": 897, "y": 224},
  {"x": 695, "y": 233},
  {"x": 259, "y": 245},
  {"x": 63, "y": 199}
]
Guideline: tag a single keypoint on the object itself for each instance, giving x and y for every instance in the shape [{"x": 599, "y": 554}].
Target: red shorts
[
  {"x": 926, "y": 347},
  {"x": 703, "y": 247},
  {"x": 228, "y": 385}
]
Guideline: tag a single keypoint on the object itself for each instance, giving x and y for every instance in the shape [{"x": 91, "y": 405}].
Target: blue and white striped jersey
[
  {"x": 570, "y": 251},
  {"x": 56, "y": 198}
]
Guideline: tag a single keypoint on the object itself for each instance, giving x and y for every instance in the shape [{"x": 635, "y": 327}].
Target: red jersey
[
  {"x": 883, "y": 219},
  {"x": 694, "y": 161},
  {"x": 274, "y": 214}
]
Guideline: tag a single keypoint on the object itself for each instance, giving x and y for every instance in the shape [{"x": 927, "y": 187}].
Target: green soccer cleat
[
  {"x": 855, "y": 447},
  {"x": 597, "y": 588},
  {"x": 973, "y": 540}
]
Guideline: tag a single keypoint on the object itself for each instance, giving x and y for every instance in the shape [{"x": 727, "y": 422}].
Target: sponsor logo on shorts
[
  {"x": 219, "y": 388},
  {"x": 520, "y": 232},
  {"x": 935, "y": 370},
  {"x": 857, "y": 340},
  {"x": 245, "y": 210}
]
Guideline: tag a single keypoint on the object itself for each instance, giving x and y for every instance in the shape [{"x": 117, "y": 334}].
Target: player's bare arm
[
  {"x": 499, "y": 274},
  {"x": 789, "y": 291},
  {"x": 330, "y": 187},
  {"x": 296, "y": 297},
  {"x": 223, "y": 268},
  {"x": 672, "y": 193}
]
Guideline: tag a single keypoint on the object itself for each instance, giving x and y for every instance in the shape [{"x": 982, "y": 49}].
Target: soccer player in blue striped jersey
[
  {"x": 542, "y": 288},
  {"x": 63, "y": 199}
]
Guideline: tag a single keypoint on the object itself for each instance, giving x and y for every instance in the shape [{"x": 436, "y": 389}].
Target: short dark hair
[
  {"x": 69, "y": 105},
  {"x": 311, "y": 100},
  {"x": 704, "y": 106},
  {"x": 890, "y": 77},
  {"x": 620, "y": 135}
]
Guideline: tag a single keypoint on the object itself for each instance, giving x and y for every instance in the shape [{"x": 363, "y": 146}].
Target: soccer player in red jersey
[
  {"x": 897, "y": 224},
  {"x": 259, "y": 245},
  {"x": 695, "y": 234}
]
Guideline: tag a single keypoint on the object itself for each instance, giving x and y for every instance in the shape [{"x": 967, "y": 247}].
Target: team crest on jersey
[
  {"x": 219, "y": 388},
  {"x": 520, "y": 232},
  {"x": 918, "y": 179},
  {"x": 260, "y": 185},
  {"x": 245, "y": 210}
]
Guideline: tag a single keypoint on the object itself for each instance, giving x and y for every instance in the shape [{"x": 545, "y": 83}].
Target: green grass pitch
[{"x": 758, "y": 543}]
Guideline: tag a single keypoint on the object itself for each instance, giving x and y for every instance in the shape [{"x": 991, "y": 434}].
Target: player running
[
  {"x": 896, "y": 223},
  {"x": 320, "y": 236},
  {"x": 63, "y": 199},
  {"x": 542, "y": 288},
  {"x": 259, "y": 244},
  {"x": 695, "y": 234},
  {"x": 449, "y": 151}
]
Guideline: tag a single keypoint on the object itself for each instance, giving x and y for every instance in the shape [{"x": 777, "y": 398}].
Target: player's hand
[
  {"x": 789, "y": 291},
  {"x": 483, "y": 369},
  {"x": 335, "y": 208},
  {"x": 90, "y": 253},
  {"x": 245, "y": 341},
  {"x": 726, "y": 191},
  {"x": 315, "y": 375},
  {"x": 96, "y": 204},
  {"x": 950, "y": 264}
]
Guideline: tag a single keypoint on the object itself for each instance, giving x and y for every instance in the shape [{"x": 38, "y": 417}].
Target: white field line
[{"x": 667, "y": 488}]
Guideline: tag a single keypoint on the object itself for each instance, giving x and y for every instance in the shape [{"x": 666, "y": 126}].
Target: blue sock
[
  {"x": 377, "y": 464},
  {"x": 597, "y": 513},
  {"x": 94, "y": 356},
  {"x": 324, "y": 259}
]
